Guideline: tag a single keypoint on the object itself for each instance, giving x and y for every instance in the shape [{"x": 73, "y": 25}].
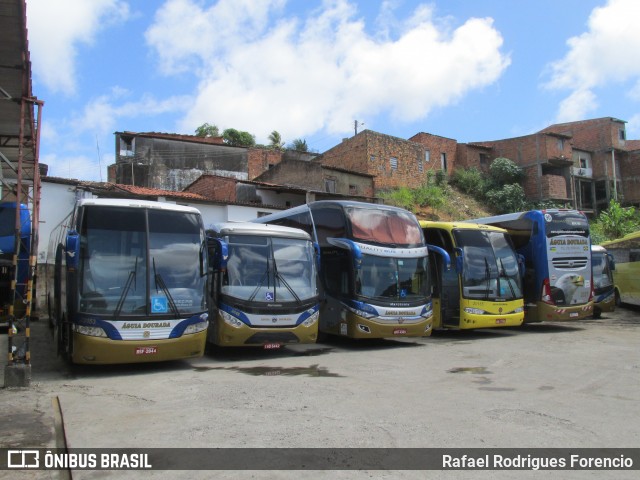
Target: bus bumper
[
  {"x": 543, "y": 312},
  {"x": 470, "y": 320},
  {"x": 102, "y": 351},
  {"x": 227, "y": 336},
  {"x": 356, "y": 326},
  {"x": 607, "y": 304}
]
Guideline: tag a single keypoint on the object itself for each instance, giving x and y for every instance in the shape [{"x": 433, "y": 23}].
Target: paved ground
[{"x": 547, "y": 385}]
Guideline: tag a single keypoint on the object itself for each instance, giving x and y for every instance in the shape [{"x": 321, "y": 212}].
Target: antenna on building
[
  {"x": 356, "y": 124},
  {"x": 99, "y": 162}
]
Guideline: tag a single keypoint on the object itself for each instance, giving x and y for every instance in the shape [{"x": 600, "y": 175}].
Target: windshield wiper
[
  {"x": 264, "y": 275},
  {"x": 277, "y": 275},
  {"x": 503, "y": 273},
  {"x": 487, "y": 277},
  {"x": 130, "y": 279},
  {"x": 163, "y": 286}
]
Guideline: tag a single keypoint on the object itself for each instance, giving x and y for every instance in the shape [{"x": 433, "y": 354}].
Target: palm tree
[
  {"x": 276, "y": 140},
  {"x": 300, "y": 145}
]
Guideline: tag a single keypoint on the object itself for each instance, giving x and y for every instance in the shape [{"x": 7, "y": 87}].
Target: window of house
[
  {"x": 443, "y": 161},
  {"x": 329, "y": 185},
  {"x": 393, "y": 161},
  {"x": 427, "y": 156},
  {"x": 420, "y": 166},
  {"x": 561, "y": 144},
  {"x": 353, "y": 190},
  {"x": 621, "y": 134},
  {"x": 583, "y": 163},
  {"x": 484, "y": 159},
  {"x": 126, "y": 146}
]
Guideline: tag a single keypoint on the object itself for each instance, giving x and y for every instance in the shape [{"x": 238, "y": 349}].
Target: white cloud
[
  {"x": 607, "y": 53},
  {"x": 58, "y": 27},
  {"x": 260, "y": 71},
  {"x": 633, "y": 126},
  {"x": 577, "y": 106}
]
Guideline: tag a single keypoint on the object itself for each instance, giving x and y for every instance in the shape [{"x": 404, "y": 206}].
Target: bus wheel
[{"x": 596, "y": 313}]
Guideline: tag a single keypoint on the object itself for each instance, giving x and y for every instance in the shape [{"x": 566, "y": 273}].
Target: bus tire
[{"x": 597, "y": 313}]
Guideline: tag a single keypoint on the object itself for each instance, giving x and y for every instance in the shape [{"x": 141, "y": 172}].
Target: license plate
[
  {"x": 500, "y": 321},
  {"x": 400, "y": 331},
  {"x": 574, "y": 314},
  {"x": 146, "y": 350},
  {"x": 271, "y": 346}
]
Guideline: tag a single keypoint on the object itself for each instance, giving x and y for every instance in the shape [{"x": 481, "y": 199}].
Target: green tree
[
  {"x": 507, "y": 199},
  {"x": 206, "y": 130},
  {"x": 276, "y": 140},
  {"x": 238, "y": 138},
  {"x": 614, "y": 222},
  {"x": 299, "y": 145},
  {"x": 504, "y": 171}
]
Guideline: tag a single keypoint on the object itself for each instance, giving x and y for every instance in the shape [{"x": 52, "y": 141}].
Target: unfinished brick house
[
  {"x": 171, "y": 162},
  {"x": 392, "y": 162},
  {"x": 571, "y": 162},
  {"x": 314, "y": 176}
]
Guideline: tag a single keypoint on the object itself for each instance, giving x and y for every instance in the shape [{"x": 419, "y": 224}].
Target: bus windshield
[
  {"x": 386, "y": 227},
  {"x": 490, "y": 270},
  {"x": 602, "y": 275},
  {"x": 269, "y": 269},
  {"x": 118, "y": 260},
  {"x": 395, "y": 279},
  {"x": 566, "y": 223}
]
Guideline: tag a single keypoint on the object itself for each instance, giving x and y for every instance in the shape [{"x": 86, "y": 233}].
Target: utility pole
[{"x": 355, "y": 126}]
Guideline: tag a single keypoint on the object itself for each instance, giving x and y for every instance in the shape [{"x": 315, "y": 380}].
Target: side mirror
[
  {"x": 612, "y": 262},
  {"x": 443, "y": 253},
  {"x": 459, "y": 260},
  {"x": 72, "y": 249},
  {"x": 521, "y": 266}
]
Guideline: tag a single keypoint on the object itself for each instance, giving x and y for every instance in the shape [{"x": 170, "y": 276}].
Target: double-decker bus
[
  {"x": 128, "y": 282},
  {"x": 603, "y": 266},
  {"x": 263, "y": 286},
  {"x": 556, "y": 247},
  {"x": 374, "y": 267},
  {"x": 626, "y": 253},
  {"x": 484, "y": 287},
  {"x": 14, "y": 260}
]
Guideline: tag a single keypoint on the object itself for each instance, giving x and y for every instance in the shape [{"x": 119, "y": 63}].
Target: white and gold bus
[{"x": 127, "y": 282}]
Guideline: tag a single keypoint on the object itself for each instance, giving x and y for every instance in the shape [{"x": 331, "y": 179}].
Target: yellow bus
[
  {"x": 626, "y": 253},
  {"x": 483, "y": 287},
  {"x": 603, "y": 266}
]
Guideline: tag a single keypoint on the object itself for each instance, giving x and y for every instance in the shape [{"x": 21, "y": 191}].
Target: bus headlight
[
  {"x": 195, "y": 328},
  {"x": 474, "y": 311},
  {"x": 90, "y": 331},
  {"x": 311, "y": 320},
  {"x": 230, "y": 319},
  {"x": 519, "y": 310}
]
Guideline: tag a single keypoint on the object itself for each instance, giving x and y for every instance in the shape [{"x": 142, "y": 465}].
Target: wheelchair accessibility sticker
[
  {"x": 268, "y": 296},
  {"x": 159, "y": 305}
]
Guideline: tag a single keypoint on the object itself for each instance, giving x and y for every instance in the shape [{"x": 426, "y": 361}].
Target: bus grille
[
  {"x": 569, "y": 263},
  {"x": 271, "y": 337}
]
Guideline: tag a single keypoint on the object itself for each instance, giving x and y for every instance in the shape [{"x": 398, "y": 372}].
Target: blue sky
[{"x": 471, "y": 70}]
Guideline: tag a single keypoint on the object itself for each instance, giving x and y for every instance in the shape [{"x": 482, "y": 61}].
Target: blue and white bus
[
  {"x": 374, "y": 267},
  {"x": 263, "y": 286},
  {"x": 556, "y": 246}
]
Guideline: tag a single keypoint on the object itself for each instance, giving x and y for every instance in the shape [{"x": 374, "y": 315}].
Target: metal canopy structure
[{"x": 20, "y": 114}]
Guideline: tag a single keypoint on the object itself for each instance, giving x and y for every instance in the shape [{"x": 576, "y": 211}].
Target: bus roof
[
  {"x": 507, "y": 217},
  {"x": 262, "y": 229},
  {"x": 626, "y": 238},
  {"x": 598, "y": 248},
  {"x": 132, "y": 203},
  {"x": 459, "y": 225}
]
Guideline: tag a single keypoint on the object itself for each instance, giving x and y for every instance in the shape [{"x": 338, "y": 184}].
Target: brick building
[
  {"x": 391, "y": 161},
  {"x": 314, "y": 176},
  {"x": 572, "y": 162}
]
